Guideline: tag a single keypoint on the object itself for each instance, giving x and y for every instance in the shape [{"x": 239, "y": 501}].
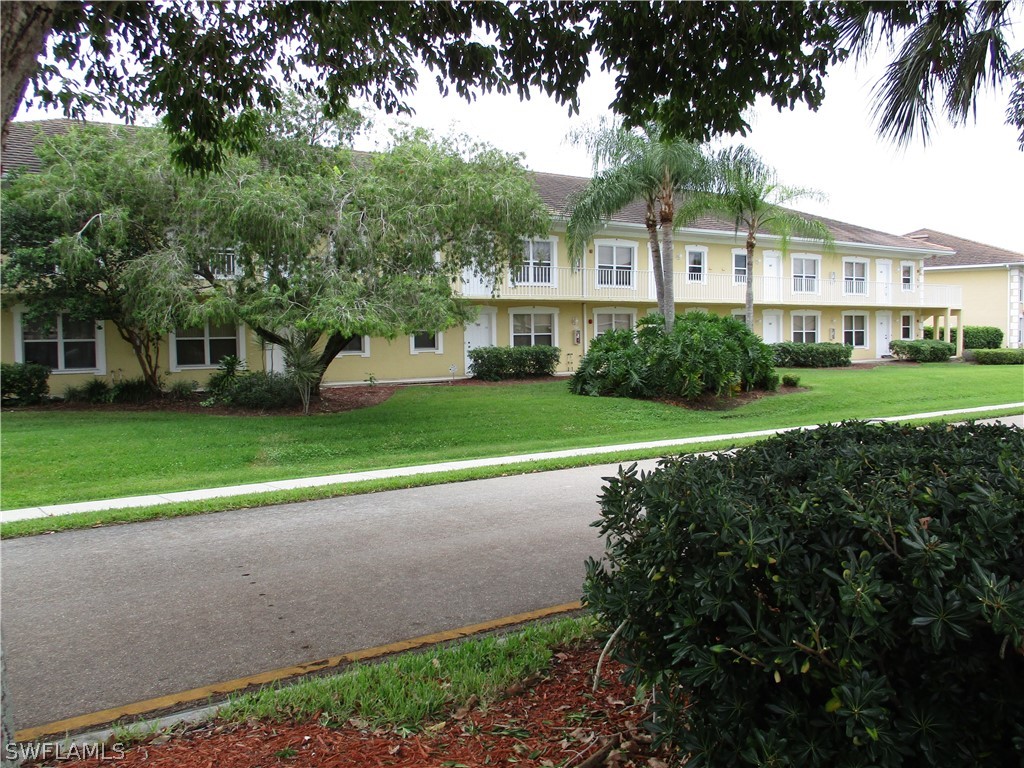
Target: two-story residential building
[
  {"x": 866, "y": 290},
  {"x": 991, "y": 280}
]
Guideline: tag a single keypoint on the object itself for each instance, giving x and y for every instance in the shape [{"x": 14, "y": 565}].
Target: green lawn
[{"x": 55, "y": 457}]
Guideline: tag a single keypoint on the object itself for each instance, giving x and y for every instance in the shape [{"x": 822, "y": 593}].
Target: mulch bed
[{"x": 553, "y": 720}]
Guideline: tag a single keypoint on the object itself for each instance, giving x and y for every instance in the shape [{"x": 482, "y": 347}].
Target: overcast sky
[{"x": 967, "y": 181}]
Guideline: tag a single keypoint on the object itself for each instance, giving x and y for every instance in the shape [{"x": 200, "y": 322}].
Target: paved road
[{"x": 103, "y": 617}]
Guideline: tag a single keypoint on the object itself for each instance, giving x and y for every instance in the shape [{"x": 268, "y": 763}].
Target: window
[
  {"x": 907, "y": 276},
  {"x": 805, "y": 328},
  {"x": 615, "y": 265},
  {"x": 805, "y": 274},
  {"x": 356, "y": 345},
  {"x": 740, "y": 315},
  {"x": 696, "y": 263},
  {"x": 855, "y": 330},
  {"x": 907, "y": 326},
  {"x": 739, "y": 267},
  {"x": 425, "y": 341},
  {"x": 537, "y": 262},
  {"x": 61, "y": 343},
  {"x": 613, "y": 319},
  {"x": 855, "y": 277},
  {"x": 533, "y": 329},
  {"x": 203, "y": 346}
]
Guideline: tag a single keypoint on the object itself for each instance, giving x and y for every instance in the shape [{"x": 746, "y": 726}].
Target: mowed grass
[{"x": 56, "y": 457}]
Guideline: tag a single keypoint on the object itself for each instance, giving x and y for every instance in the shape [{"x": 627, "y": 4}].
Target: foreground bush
[
  {"x": 975, "y": 336},
  {"x": 844, "y": 597},
  {"x": 24, "y": 383},
  {"x": 790, "y": 354},
  {"x": 498, "y": 363},
  {"x": 922, "y": 351},
  {"x": 999, "y": 356},
  {"x": 703, "y": 353}
]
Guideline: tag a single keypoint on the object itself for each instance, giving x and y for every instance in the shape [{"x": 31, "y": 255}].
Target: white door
[
  {"x": 883, "y": 333},
  {"x": 481, "y": 332},
  {"x": 772, "y": 278},
  {"x": 772, "y": 330},
  {"x": 883, "y": 281}
]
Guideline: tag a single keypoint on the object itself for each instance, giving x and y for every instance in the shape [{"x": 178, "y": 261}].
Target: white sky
[{"x": 966, "y": 182}]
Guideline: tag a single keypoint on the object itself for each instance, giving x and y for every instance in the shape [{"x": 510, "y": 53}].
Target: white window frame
[
  {"x": 913, "y": 323},
  {"x": 614, "y": 311},
  {"x": 438, "y": 348},
  {"x": 854, "y": 285},
  {"x": 614, "y": 244},
  {"x": 702, "y": 250},
  {"x": 529, "y": 268},
  {"x": 867, "y": 331},
  {"x": 532, "y": 311},
  {"x": 172, "y": 343},
  {"x": 739, "y": 314},
  {"x": 737, "y": 278},
  {"x": 364, "y": 352},
  {"x": 100, "y": 339},
  {"x": 913, "y": 276},
  {"x": 803, "y": 315},
  {"x": 816, "y": 259}
]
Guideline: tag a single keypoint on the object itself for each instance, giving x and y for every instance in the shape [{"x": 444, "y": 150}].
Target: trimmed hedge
[
  {"x": 975, "y": 336},
  {"x": 791, "y": 354},
  {"x": 844, "y": 597},
  {"x": 24, "y": 383},
  {"x": 702, "y": 354},
  {"x": 922, "y": 350},
  {"x": 999, "y": 356},
  {"x": 498, "y": 363}
]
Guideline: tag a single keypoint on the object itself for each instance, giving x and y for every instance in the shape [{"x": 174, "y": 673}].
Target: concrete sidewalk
[{"x": 26, "y": 513}]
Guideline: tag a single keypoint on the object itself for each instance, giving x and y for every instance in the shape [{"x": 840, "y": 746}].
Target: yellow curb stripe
[{"x": 106, "y": 716}]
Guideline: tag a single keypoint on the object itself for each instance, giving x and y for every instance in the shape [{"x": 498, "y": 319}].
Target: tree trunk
[
  {"x": 147, "y": 352},
  {"x": 651, "y": 222},
  {"x": 668, "y": 215},
  {"x": 335, "y": 343},
  {"x": 749, "y": 314},
  {"x": 24, "y": 28}
]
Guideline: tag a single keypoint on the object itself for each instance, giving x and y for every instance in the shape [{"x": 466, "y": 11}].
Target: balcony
[{"x": 637, "y": 286}]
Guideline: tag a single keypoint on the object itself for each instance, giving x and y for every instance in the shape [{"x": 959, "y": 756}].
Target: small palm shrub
[
  {"x": 135, "y": 391},
  {"x": 791, "y": 354},
  {"x": 182, "y": 390},
  {"x": 845, "y": 597},
  {"x": 260, "y": 391},
  {"x": 922, "y": 351},
  {"x": 93, "y": 391},
  {"x": 702, "y": 354},
  {"x": 24, "y": 383}
]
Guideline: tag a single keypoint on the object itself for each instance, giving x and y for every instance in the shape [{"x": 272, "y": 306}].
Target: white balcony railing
[{"x": 638, "y": 286}]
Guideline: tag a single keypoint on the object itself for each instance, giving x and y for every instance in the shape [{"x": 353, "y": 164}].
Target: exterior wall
[{"x": 991, "y": 296}]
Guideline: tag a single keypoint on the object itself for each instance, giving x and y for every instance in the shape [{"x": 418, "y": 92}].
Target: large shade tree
[
  {"x": 631, "y": 165},
  {"x": 201, "y": 65},
  {"x": 739, "y": 186}
]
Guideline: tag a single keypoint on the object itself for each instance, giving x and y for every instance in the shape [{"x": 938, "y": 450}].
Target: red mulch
[{"x": 554, "y": 720}]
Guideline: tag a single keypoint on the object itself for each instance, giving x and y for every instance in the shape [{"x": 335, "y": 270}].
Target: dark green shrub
[
  {"x": 843, "y": 597},
  {"x": 182, "y": 390},
  {"x": 24, "y": 383},
  {"x": 499, "y": 363},
  {"x": 261, "y": 392},
  {"x": 93, "y": 391},
  {"x": 703, "y": 353},
  {"x": 975, "y": 336},
  {"x": 922, "y": 350},
  {"x": 999, "y": 356},
  {"x": 134, "y": 391},
  {"x": 790, "y": 354},
  {"x": 790, "y": 380}
]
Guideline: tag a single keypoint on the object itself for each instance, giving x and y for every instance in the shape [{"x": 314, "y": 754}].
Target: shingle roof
[
  {"x": 968, "y": 252},
  {"x": 556, "y": 189},
  {"x": 22, "y": 138}
]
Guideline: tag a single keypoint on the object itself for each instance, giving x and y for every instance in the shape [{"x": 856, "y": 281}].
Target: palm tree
[
  {"x": 632, "y": 165},
  {"x": 740, "y": 186}
]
